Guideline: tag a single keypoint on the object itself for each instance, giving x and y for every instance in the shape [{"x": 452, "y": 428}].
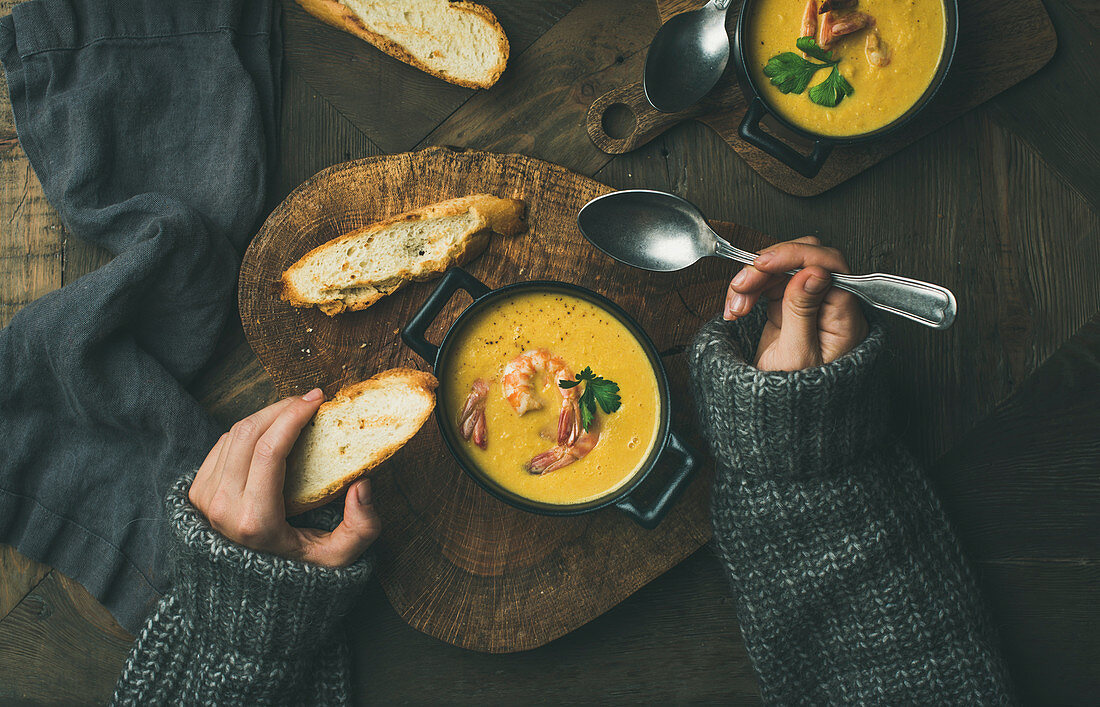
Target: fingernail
[
  {"x": 362, "y": 492},
  {"x": 313, "y": 395},
  {"x": 816, "y": 285},
  {"x": 763, "y": 259},
  {"x": 736, "y": 304},
  {"x": 739, "y": 278}
]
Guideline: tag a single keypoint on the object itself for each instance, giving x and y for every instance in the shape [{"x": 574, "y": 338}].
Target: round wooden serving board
[{"x": 456, "y": 563}]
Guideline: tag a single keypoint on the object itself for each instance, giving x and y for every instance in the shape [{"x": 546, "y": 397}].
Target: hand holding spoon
[
  {"x": 687, "y": 57},
  {"x": 653, "y": 230}
]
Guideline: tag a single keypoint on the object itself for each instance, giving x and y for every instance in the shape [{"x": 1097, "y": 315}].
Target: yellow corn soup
[
  {"x": 913, "y": 31},
  {"x": 583, "y": 335}
]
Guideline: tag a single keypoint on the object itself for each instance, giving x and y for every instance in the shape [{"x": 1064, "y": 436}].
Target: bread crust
[
  {"x": 342, "y": 17},
  {"x": 503, "y": 216},
  {"x": 417, "y": 380}
]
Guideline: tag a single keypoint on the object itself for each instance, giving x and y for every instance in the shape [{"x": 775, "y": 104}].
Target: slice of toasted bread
[
  {"x": 459, "y": 42},
  {"x": 354, "y": 271},
  {"x": 362, "y": 426}
]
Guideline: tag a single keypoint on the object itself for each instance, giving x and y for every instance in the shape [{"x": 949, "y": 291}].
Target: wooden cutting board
[
  {"x": 1001, "y": 42},
  {"x": 455, "y": 562}
]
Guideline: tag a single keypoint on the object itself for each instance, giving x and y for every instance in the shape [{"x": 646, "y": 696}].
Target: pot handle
[
  {"x": 413, "y": 334},
  {"x": 650, "y": 517},
  {"x": 806, "y": 165}
]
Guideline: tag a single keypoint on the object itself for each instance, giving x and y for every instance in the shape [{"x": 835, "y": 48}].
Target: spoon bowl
[
  {"x": 647, "y": 229},
  {"x": 654, "y": 230},
  {"x": 687, "y": 57}
]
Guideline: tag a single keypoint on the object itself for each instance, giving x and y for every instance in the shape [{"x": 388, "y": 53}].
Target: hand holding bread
[
  {"x": 239, "y": 488},
  {"x": 361, "y": 427}
]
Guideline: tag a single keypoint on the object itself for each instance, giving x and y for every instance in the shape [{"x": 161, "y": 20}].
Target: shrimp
[
  {"x": 878, "y": 52},
  {"x": 563, "y": 455},
  {"x": 835, "y": 25},
  {"x": 809, "y": 19},
  {"x": 518, "y": 385},
  {"x": 471, "y": 420}
]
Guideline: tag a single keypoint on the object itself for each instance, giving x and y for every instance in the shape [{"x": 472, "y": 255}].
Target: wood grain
[
  {"x": 455, "y": 562},
  {"x": 391, "y": 102},
  {"x": 18, "y": 576},
  {"x": 976, "y": 210},
  {"x": 1022, "y": 491},
  {"x": 32, "y": 243},
  {"x": 1066, "y": 88},
  {"x": 538, "y": 107},
  {"x": 675, "y": 641},
  {"x": 984, "y": 66},
  {"x": 58, "y": 646}
]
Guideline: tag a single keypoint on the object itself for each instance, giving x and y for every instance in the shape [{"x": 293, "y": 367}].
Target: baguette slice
[
  {"x": 362, "y": 426},
  {"x": 459, "y": 42},
  {"x": 354, "y": 271}
]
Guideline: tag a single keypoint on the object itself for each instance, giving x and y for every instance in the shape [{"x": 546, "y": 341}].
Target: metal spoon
[
  {"x": 687, "y": 57},
  {"x": 653, "y": 230}
]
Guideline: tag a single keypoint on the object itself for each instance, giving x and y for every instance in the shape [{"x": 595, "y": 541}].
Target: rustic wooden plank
[
  {"x": 675, "y": 641},
  {"x": 1046, "y": 615},
  {"x": 58, "y": 646},
  {"x": 393, "y": 103},
  {"x": 313, "y": 135},
  {"x": 1024, "y": 482},
  {"x": 1065, "y": 88},
  {"x": 18, "y": 575},
  {"x": 7, "y": 120},
  {"x": 538, "y": 108},
  {"x": 1047, "y": 240},
  {"x": 31, "y": 235},
  {"x": 972, "y": 208}
]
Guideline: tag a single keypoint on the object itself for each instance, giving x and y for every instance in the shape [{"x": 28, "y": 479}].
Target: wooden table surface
[{"x": 1001, "y": 205}]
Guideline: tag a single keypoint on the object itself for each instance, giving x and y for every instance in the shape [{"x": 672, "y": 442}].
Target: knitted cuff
[
  {"x": 261, "y": 605},
  {"x": 777, "y": 422}
]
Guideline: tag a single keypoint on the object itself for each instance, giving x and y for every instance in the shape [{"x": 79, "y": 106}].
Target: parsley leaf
[
  {"x": 809, "y": 46},
  {"x": 597, "y": 390},
  {"x": 791, "y": 73},
  {"x": 832, "y": 90}
]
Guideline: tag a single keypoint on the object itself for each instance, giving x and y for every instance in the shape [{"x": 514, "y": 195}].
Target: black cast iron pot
[
  {"x": 647, "y": 515},
  {"x": 808, "y": 165}
]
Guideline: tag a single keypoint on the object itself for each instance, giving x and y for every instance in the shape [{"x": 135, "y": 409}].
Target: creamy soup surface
[
  {"x": 914, "y": 32},
  {"x": 582, "y": 335}
]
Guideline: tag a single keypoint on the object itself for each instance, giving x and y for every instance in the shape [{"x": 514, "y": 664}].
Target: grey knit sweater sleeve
[
  {"x": 850, "y": 585},
  {"x": 241, "y": 627}
]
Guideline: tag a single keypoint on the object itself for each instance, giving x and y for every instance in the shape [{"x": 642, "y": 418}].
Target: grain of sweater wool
[{"x": 850, "y": 584}]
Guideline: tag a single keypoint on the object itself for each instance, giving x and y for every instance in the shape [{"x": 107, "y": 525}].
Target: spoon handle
[{"x": 922, "y": 302}]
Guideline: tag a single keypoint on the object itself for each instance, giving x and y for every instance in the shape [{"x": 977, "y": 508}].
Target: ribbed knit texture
[
  {"x": 241, "y": 627},
  {"x": 850, "y": 584}
]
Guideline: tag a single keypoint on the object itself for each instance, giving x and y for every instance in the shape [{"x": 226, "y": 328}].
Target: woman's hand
[
  {"x": 239, "y": 488},
  {"x": 809, "y": 322}
]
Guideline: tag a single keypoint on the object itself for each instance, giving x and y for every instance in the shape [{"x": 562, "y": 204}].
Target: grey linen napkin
[{"x": 151, "y": 126}]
